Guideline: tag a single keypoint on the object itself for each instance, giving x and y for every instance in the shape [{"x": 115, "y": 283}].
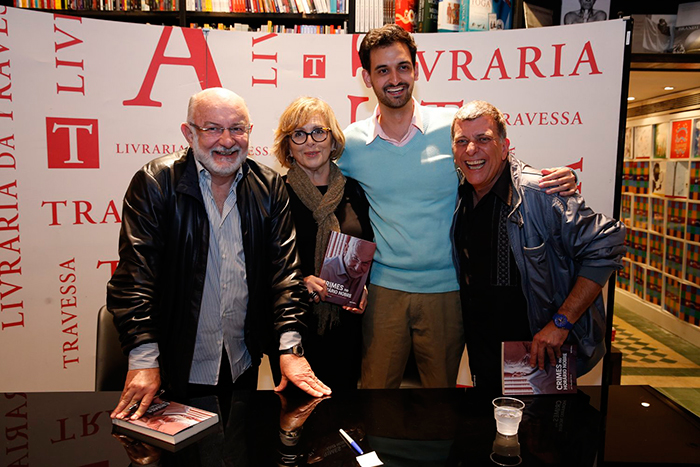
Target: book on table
[
  {"x": 168, "y": 424},
  {"x": 519, "y": 378}
]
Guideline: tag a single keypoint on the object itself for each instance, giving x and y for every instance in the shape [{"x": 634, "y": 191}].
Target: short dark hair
[{"x": 384, "y": 37}]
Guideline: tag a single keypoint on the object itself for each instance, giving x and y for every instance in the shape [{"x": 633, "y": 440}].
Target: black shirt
[{"x": 493, "y": 304}]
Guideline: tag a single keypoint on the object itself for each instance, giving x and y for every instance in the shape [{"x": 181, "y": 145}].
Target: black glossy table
[{"x": 408, "y": 427}]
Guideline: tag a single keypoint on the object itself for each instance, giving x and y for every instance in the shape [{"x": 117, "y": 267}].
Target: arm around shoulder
[{"x": 592, "y": 239}]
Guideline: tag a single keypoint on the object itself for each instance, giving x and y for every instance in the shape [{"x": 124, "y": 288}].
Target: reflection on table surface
[{"x": 408, "y": 427}]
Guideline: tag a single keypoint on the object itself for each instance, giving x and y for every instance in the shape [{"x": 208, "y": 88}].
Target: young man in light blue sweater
[{"x": 402, "y": 158}]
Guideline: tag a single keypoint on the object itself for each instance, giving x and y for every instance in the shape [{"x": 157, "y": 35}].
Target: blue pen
[{"x": 351, "y": 442}]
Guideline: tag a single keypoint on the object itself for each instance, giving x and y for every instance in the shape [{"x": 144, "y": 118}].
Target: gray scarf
[{"x": 323, "y": 209}]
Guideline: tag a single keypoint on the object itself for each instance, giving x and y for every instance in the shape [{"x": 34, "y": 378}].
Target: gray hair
[{"x": 475, "y": 109}]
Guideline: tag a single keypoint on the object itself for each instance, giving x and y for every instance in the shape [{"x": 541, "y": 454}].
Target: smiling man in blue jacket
[{"x": 531, "y": 265}]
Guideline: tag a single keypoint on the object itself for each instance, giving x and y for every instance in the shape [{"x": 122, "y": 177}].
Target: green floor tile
[
  {"x": 670, "y": 340},
  {"x": 636, "y": 351}
]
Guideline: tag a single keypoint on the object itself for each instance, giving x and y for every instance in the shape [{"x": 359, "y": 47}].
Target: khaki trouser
[{"x": 394, "y": 321}]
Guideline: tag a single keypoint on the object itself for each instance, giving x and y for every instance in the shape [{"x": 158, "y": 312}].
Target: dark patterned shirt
[{"x": 493, "y": 303}]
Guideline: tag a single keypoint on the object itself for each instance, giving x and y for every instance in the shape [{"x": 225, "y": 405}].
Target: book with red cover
[
  {"x": 681, "y": 135},
  {"x": 169, "y": 426},
  {"x": 405, "y": 14},
  {"x": 521, "y": 379},
  {"x": 345, "y": 268}
]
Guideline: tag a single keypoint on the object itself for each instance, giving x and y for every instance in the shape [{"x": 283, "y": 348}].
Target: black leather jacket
[{"x": 156, "y": 290}]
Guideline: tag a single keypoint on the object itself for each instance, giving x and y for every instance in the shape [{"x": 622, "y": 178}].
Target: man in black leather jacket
[{"x": 208, "y": 270}]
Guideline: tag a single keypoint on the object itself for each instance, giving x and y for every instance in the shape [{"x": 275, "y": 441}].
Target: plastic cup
[
  {"x": 506, "y": 451},
  {"x": 508, "y": 412}
]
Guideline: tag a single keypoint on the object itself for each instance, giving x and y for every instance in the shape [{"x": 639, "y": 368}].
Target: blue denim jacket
[{"x": 554, "y": 240}]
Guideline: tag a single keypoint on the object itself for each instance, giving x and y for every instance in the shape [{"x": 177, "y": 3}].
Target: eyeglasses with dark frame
[
  {"x": 217, "y": 131},
  {"x": 319, "y": 135}
]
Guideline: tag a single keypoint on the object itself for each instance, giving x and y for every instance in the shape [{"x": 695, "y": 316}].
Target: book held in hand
[
  {"x": 345, "y": 268},
  {"x": 519, "y": 378},
  {"x": 168, "y": 424}
]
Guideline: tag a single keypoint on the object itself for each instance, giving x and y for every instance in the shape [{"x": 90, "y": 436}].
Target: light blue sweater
[{"x": 412, "y": 192}]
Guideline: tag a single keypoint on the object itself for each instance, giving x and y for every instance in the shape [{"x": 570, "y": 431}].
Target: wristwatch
[
  {"x": 562, "y": 322},
  {"x": 297, "y": 350}
]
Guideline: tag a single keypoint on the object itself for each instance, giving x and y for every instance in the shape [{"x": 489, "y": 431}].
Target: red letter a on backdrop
[{"x": 200, "y": 59}]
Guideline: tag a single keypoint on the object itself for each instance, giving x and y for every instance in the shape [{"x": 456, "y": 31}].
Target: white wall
[{"x": 72, "y": 133}]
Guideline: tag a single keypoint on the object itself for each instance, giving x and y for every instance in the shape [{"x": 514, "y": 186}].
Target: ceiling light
[
  {"x": 630, "y": 98},
  {"x": 645, "y": 404},
  {"x": 669, "y": 88}
]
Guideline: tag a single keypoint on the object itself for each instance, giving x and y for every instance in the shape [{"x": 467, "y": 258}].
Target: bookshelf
[
  {"x": 660, "y": 206},
  {"x": 255, "y": 20},
  {"x": 180, "y": 15}
]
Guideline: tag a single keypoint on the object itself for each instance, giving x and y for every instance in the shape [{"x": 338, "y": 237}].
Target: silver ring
[{"x": 314, "y": 295}]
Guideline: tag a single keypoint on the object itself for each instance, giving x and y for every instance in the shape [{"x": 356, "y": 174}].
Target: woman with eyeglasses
[{"x": 307, "y": 141}]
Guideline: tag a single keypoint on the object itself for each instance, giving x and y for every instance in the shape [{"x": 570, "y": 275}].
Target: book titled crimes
[
  {"x": 519, "y": 378},
  {"x": 169, "y": 425},
  {"x": 346, "y": 267}
]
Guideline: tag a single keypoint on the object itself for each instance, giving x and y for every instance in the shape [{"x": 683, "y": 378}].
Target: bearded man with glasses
[{"x": 208, "y": 275}]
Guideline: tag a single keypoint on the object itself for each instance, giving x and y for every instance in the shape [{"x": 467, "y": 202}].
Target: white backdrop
[{"x": 84, "y": 103}]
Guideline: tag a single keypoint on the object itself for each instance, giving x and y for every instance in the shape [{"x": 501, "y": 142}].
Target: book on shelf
[
  {"x": 537, "y": 16},
  {"x": 519, "y": 378},
  {"x": 368, "y": 10},
  {"x": 658, "y": 177},
  {"x": 681, "y": 134},
  {"x": 405, "y": 14},
  {"x": 389, "y": 12},
  {"x": 501, "y": 15},
  {"x": 303, "y": 6},
  {"x": 169, "y": 425},
  {"x": 448, "y": 16},
  {"x": 475, "y": 15},
  {"x": 365, "y": 14},
  {"x": 346, "y": 267},
  {"x": 676, "y": 180},
  {"x": 426, "y": 19}
]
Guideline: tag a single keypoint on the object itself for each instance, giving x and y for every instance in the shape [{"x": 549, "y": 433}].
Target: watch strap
[
  {"x": 562, "y": 322},
  {"x": 297, "y": 350}
]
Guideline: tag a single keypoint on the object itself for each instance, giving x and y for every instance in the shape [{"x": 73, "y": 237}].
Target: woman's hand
[
  {"x": 361, "y": 307},
  {"x": 316, "y": 287}
]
